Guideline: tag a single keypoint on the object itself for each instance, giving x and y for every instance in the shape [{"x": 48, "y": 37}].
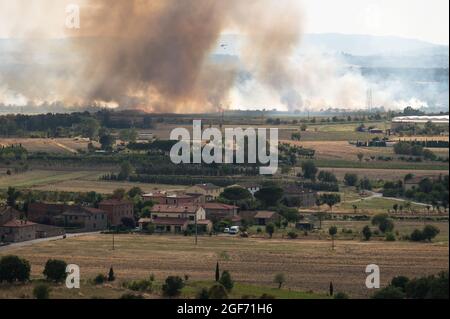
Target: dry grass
[
  {"x": 103, "y": 187},
  {"x": 72, "y": 181},
  {"x": 384, "y": 174},
  {"x": 307, "y": 264},
  {"x": 341, "y": 150},
  {"x": 50, "y": 145}
]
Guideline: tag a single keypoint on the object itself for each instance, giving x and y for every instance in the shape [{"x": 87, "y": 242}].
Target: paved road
[{"x": 41, "y": 240}]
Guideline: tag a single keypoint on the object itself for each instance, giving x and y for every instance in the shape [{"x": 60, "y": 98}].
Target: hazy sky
[{"x": 420, "y": 19}]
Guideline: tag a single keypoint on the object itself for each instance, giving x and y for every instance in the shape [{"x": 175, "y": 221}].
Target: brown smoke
[{"x": 155, "y": 54}]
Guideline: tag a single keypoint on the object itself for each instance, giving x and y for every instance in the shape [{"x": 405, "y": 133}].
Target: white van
[{"x": 234, "y": 230}]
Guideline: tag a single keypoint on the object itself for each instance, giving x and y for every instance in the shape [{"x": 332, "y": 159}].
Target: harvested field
[
  {"x": 341, "y": 150},
  {"x": 50, "y": 145},
  {"x": 72, "y": 181},
  {"x": 103, "y": 187},
  {"x": 307, "y": 264},
  {"x": 385, "y": 174}
]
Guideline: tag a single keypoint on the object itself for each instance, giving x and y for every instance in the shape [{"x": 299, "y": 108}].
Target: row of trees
[{"x": 429, "y": 287}]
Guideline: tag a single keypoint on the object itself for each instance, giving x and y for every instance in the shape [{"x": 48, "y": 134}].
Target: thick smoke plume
[{"x": 156, "y": 55}]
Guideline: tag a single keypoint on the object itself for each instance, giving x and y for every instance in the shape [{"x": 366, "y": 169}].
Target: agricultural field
[
  {"x": 384, "y": 174},
  {"x": 309, "y": 265},
  {"x": 71, "y": 181},
  {"x": 49, "y": 145}
]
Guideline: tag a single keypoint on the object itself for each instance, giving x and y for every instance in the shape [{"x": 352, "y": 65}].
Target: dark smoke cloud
[{"x": 154, "y": 54}]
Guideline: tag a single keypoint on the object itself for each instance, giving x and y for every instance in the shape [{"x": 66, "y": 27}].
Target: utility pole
[
  {"x": 196, "y": 230},
  {"x": 113, "y": 239}
]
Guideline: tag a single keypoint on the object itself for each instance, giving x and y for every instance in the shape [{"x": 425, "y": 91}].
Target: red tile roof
[
  {"x": 16, "y": 223},
  {"x": 175, "y": 209},
  {"x": 265, "y": 215},
  {"x": 83, "y": 211},
  {"x": 115, "y": 202},
  {"x": 218, "y": 206}
]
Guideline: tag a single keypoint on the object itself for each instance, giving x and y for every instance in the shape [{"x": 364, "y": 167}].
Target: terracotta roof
[
  {"x": 175, "y": 209},
  {"x": 114, "y": 202},
  {"x": 6, "y": 209},
  {"x": 15, "y": 223},
  {"x": 265, "y": 214},
  {"x": 94, "y": 210},
  {"x": 83, "y": 211},
  {"x": 171, "y": 221},
  {"x": 218, "y": 206}
]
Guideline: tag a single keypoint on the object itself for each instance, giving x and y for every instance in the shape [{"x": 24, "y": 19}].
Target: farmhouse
[
  {"x": 175, "y": 199},
  {"x": 85, "y": 219},
  {"x": 7, "y": 214},
  {"x": 175, "y": 219},
  {"x": 116, "y": 210},
  {"x": 16, "y": 230},
  {"x": 45, "y": 213},
  {"x": 219, "y": 211},
  {"x": 296, "y": 196},
  {"x": 263, "y": 218},
  {"x": 210, "y": 191}
]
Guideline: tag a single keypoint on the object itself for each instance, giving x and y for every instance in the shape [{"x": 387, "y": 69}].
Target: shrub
[
  {"x": 280, "y": 279},
  {"x": 350, "y": 179},
  {"x": 172, "y": 286},
  {"x": 389, "y": 292},
  {"x": 13, "y": 268},
  {"x": 292, "y": 235},
  {"x": 100, "y": 279},
  {"x": 390, "y": 237},
  {"x": 140, "y": 285},
  {"x": 270, "y": 229},
  {"x": 416, "y": 235},
  {"x": 367, "y": 233},
  {"x": 429, "y": 232},
  {"x": 226, "y": 281},
  {"x": 55, "y": 270},
  {"x": 341, "y": 295},
  {"x": 41, "y": 291},
  {"x": 218, "y": 291},
  {"x": 383, "y": 222},
  {"x": 400, "y": 282},
  {"x": 203, "y": 294}
]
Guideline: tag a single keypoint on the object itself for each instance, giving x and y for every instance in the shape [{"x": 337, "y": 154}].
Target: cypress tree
[{"x": 217, "y": 272}]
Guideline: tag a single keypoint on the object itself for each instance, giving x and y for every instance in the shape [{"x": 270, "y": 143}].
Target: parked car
[
  {"x": 234, "y": 230},
  {"x": 226, "y": 230}
]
